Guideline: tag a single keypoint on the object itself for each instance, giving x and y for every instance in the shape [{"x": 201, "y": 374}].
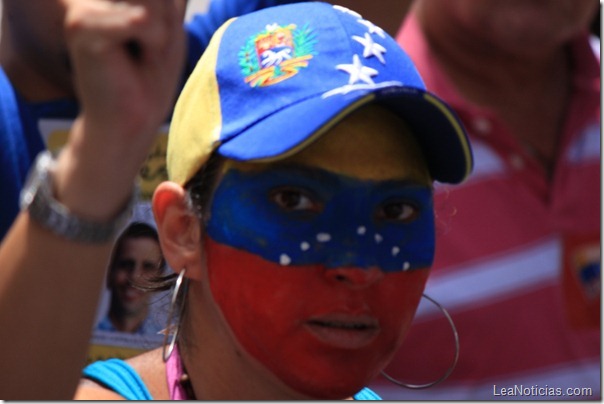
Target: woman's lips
[{"x": 344, "y": 331}]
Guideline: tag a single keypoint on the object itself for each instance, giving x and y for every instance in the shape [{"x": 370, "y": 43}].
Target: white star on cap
[
  {"x": 358, "y": 72},
  {"x": 347, "y": 11},
  {"x": 373, "y": 29},
  {"x": 371, "y": 47},
  {"x": 272, "y": 27}
]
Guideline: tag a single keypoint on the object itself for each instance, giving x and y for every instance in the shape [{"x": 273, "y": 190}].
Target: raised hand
[{"x": 127, "y": 59}]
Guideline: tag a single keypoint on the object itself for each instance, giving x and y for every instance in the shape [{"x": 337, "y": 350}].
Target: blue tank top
[{"x": 118, "y": 376}]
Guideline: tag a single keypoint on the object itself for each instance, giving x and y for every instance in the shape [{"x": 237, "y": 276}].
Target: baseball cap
[{"x": 272, "y": 81}]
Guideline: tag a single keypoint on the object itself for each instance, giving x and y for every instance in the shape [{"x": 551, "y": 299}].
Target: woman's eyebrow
[
  {"x": 404, "y": 183},
  {"x": 328, "y": 178},
  {"x": 304, "y": 172}
]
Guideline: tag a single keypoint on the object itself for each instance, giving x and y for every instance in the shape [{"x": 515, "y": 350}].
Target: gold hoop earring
[
  {"x": 449, "y": 370},
  {"x": 170, "y": 329}
]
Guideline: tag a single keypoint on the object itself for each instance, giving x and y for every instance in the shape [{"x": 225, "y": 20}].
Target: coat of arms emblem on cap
[{"x": 276, "y": 54}]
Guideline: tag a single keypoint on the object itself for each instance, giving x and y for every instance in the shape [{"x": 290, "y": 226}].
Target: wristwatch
[{"x": 37, "y": 198}]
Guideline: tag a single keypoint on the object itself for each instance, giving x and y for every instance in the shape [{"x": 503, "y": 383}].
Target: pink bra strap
[{"x": 174, "y": 374}]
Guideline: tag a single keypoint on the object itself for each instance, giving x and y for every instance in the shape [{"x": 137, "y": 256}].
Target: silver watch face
[
  {"x": 37, "y": 177},
  {"x": 38, "y": 200}
]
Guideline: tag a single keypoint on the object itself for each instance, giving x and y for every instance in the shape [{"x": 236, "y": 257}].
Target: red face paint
[
  {"x": 324, "y": 333},
  {"x": 325, "y": 328}
]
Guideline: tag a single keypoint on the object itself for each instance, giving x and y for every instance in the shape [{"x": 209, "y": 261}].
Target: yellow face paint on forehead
[{"x": 371, "y": 144}]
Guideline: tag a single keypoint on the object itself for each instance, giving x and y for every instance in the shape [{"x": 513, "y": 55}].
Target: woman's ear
[{"x": 179, "y": 229}]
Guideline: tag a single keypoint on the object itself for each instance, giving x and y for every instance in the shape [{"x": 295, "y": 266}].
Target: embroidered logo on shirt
[{"x": 276, "y": 54}]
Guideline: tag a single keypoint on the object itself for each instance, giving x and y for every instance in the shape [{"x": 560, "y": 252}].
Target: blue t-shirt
[
  {"x": 118, "y": 376},
  {"x": 21, "y": 141},
  {"x": 21, "y": 137}
]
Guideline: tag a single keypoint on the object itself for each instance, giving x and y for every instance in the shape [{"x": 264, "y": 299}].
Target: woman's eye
[
  {"x": 399, "y": 211},
  {"x": 293, "y": 199}
]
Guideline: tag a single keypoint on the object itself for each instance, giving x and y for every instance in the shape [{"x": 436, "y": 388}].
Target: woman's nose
[{"x": 355, "y": 277}]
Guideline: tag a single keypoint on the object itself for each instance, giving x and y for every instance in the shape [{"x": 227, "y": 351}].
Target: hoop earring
[
  {"x": 170, "y": 329},
  {"x": 449, "y": 370}
]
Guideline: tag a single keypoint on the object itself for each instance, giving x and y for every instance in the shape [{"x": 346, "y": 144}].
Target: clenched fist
[{"x": 127, "y": 58}]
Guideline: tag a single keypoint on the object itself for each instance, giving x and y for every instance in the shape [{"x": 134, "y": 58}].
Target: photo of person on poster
[{"x": 136, "y": 257}]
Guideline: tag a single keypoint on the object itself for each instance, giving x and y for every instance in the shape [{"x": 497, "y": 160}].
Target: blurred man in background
[{"x": 518, "y": 262}]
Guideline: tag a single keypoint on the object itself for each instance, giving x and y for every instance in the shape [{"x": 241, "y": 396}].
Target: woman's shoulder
[
  {"x": 90, "y": 390},
  {"x": 152, "y": 370},
  {"x": 139, "y": 378}
]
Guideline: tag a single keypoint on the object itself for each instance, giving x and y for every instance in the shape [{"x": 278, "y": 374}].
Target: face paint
[
  {"x": 317, "y": 263},
  {"x": 279, "y": 244},
  {"x": 324, "y": 333},
  {"x": 298, "y": 216}
]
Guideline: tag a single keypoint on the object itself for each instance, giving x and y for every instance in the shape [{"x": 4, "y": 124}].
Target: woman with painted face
[
  {"x": 298, "y": 217},
  {"x": 299, "y": 214}
]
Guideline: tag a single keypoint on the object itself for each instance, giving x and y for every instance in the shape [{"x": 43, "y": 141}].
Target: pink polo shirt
[{"x": 518, "y": 256}]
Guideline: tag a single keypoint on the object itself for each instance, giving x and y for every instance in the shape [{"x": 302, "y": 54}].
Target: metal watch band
[{"x": 38, "y": 200}]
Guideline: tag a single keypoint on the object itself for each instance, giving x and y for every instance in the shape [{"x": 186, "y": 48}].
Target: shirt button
[
  {"x": 517, "y": 162},
  {"x": 482, "y": 125}
]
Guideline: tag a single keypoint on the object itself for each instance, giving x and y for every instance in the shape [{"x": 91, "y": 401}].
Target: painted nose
[{"x": 355, "y": 277}]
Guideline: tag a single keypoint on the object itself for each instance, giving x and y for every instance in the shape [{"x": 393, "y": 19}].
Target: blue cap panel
[
  {"x": 288, "y": 54},
  {"x": 281, "y": 77}
]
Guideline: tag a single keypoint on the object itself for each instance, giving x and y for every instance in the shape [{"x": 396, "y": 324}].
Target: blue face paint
[{"x": 296, "y": 215}]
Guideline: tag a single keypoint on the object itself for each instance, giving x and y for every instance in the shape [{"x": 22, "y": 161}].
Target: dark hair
[
  {"x": 201, "y": 186},
  {"x": 135, "y": 230},
  {"x": 200, "y": 189}
]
